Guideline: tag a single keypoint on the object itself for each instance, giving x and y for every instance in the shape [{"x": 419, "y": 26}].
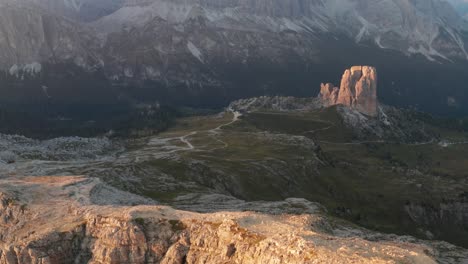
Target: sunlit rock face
[
  {"x": 330, "y": 93},
  {"x": 82, "y": 220},
  {"x": 358, "y": 90}
]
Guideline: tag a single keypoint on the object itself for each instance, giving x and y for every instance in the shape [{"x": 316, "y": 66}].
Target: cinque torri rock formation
[
  {"x": 82, "y": 220},
  {"x": 358, "y": 90}
]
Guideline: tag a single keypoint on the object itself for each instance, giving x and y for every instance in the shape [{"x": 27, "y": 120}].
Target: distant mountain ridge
[
  {"x": 407, "y": 26},
  {"x": 207, "y": 53}
]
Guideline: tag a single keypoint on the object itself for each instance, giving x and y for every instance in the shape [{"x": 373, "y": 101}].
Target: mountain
[
  {"x": 408, "y": 26},
  {"x": 207, "y": 53}
]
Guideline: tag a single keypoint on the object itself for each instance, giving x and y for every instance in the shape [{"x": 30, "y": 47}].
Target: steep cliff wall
[
  {"x": 358, "y": 90},
  {"x": 54, "y": 220}
]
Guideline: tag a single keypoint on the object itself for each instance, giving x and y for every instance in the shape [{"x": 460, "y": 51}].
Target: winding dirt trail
[
  {"x": 214, "y": 132},
  {"x": 186, "y": 141},
  {"x": 157, "y": 147},
  {"x": 235, "y": 118}
]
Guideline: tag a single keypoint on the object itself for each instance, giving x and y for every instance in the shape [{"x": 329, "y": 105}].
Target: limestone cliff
[
  {"x": 329, "y": 93},
  {"x": 56, "y": 220},
  {"x": 358, "y": 90}
]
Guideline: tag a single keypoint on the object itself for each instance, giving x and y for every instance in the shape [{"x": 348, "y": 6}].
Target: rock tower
[{"x": 358, "y": 90}]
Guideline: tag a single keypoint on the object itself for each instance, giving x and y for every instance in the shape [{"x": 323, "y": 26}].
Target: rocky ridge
[
  {"x": 55, "y": 220},
  {"x": 422, "y": 26},
  {"x": 276, "y": 103},
  {"x": 387, "y": 123}
]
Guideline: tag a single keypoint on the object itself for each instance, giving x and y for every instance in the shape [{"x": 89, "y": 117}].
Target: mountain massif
[{"x": 207, "y": 53}]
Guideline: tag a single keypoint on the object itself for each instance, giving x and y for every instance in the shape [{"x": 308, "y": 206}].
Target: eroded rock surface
[
  {"x": 329, "y": 93},
  {"x": 54, "y": 220},
  {"x": 275, "y": 103},
  {"x": 358, "y": 90}
]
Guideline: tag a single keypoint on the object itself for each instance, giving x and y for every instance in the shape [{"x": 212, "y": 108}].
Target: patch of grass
[
  {"x": 325, "y": 124},
  {"x": 11, "y": 202},
  {"x": 177, "y": 225},
  {"x": 162, "y": 196},
  {"x": 214, "y": 225},
  {"x": 140, "y": 221},
  {"x": 197, "y": 123}
]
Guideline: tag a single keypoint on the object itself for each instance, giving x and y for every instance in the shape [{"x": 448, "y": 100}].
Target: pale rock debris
[{"x": 54, "y": 220}]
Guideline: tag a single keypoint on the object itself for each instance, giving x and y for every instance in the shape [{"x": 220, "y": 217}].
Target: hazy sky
[
  {"x": 459, "y": 3},
  {"x": 461, "y": 6}
]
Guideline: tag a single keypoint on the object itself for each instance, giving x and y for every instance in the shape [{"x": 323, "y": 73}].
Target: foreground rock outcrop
[
  {"x": 358, "y": 90},
  {"x": 57, "y": 220}
]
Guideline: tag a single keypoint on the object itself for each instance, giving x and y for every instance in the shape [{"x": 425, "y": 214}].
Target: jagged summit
[{"x": 358, "y": 90}]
